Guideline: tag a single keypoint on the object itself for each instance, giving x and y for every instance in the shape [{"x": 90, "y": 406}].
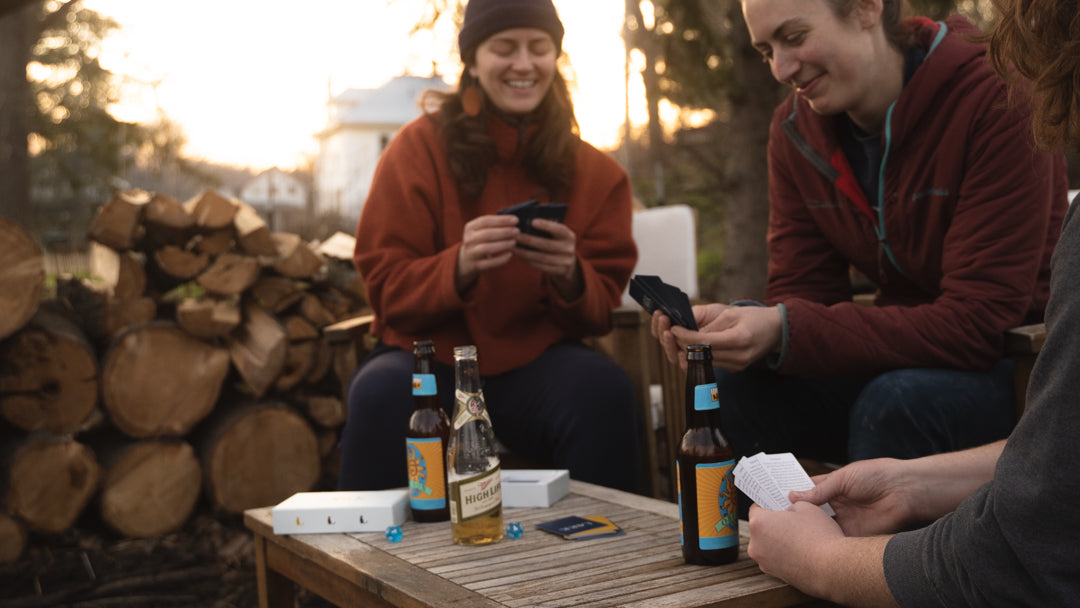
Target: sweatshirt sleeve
[
  {"x": 409, "y": 277},
  {"x": 1013, "y": 542}
]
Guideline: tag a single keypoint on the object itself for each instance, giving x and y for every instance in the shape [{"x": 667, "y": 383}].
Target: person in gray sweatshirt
[{"x": 1005, "y": 525}]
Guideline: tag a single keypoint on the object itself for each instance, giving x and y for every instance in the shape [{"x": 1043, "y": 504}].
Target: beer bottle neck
[
  {"x": 467, "y": 375},
  {"x": 424, "y": 386},
  {"x": 702, "y": 399}
]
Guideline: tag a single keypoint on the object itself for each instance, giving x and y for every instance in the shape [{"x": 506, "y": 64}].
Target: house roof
[{"x": 396, "y": 102}]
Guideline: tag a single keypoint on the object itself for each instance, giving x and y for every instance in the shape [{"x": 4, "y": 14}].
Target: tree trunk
[
  {"x": 50, "y": 481},
  {"x": 256, "y": 455},
  {"x": 48, "y": 375},
  {"x": 746, "y": 257},
  {"x": 22, "y": 276},
  {"x": 158, "y": 381},
  {"x": 644, "y": 40},
  {"x": 18, "y": 34},
  {"x": 150, "y": 487}
]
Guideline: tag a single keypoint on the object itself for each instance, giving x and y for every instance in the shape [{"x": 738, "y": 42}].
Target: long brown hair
[
  {"x": 549, "y": 157},
  {"x": 1041, "y": 38}
]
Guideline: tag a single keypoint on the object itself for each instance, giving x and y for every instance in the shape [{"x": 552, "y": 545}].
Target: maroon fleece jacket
[{"x": 958, "y": 239}]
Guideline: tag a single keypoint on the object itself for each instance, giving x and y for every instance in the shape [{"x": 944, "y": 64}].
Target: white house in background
[
  {"x": 277, "y": 196},
  {"x": 360, "y": 122}
]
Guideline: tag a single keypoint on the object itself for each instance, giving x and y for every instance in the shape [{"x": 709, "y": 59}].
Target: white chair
[{"x": 667, "y": 247}]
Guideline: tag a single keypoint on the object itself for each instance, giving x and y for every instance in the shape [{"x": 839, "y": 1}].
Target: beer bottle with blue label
[
  {"x": 426, "y": 440},
  {"x": 708, "y": 517}
]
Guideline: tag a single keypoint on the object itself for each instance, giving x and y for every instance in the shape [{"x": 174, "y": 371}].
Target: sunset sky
[{"x": 248, "y": 80}]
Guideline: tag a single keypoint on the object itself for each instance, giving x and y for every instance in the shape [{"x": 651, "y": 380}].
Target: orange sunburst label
[
  {"x": 718, "y": 519},
  {"x": 427, "y": 480}
]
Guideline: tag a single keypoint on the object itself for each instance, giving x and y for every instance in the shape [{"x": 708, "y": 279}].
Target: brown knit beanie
[{"x": 484, "y": 18}]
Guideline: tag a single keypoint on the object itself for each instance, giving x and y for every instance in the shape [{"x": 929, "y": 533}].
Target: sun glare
[{"x": 248, "y": 81}]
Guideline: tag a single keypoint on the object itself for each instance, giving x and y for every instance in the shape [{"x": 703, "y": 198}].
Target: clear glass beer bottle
[
  {"x": 426, "y": 440},
  {"x": 471, "y": 460},
  {"x": 708, "y": 517}
]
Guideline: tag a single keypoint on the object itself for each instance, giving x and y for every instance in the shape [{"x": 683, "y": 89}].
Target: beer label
[
  {"x": 470, "y": 407},
  {"x": 475, "y": 496},
  {"x": 678, "y": 493},
  {"x": 706, "y": 397},
  {"x": 423, "y": 385},
  {"x": 427, "y": 482},
  {"x": 718, "y": 519}
]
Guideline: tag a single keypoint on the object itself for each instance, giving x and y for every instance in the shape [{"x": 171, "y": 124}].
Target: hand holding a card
[
  {"x": 487, "y": 242},
  {"x": 548, "y": 245},
  {"x": 738, "y": 335}
]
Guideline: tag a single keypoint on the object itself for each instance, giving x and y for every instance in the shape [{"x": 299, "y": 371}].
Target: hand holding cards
[
  {"x": 767, "y": 479},
  {"x": 654, "y": 294},
  {"x": 533, "y": 209}
]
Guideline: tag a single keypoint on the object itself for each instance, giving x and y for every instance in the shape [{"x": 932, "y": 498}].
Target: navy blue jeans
[
  {"x": 570, "y": 408},
  {"x": 903, "y": 413}
]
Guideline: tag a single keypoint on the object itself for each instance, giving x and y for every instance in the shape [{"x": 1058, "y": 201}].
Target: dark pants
[
  {"x": 904, "y": 413},
  {"x": 571, "y": 407}
]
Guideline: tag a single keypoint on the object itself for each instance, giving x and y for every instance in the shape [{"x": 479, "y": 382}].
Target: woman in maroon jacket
[
  {"x": 439, "y": 263},
  {"x": 897, "y": 154}
]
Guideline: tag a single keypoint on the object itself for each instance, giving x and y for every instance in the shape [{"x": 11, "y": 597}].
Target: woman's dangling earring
[{"x": 472, "y": 100}]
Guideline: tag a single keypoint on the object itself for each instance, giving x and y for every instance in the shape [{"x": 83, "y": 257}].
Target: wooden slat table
[{"x": 643, "y": 568}]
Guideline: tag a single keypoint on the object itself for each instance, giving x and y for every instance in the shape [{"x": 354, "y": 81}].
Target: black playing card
[{"x": 653, "y": 294}]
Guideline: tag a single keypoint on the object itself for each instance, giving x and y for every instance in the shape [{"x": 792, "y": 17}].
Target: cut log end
[
  {"x": 151, "y": 488},
  {"x": 158, "y": 381},
  {"x": 51, "y": 481},
  {"x": 259, "y": 456},
  {"x": 22, "y": 277}
]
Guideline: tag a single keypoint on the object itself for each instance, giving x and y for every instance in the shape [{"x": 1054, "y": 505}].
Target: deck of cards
[
  {"x": 532, "y": 209},
  {"x": 767, "y": 478},
  {"x": 654, "y": 294},
  {"x": 581, "y": 528}
]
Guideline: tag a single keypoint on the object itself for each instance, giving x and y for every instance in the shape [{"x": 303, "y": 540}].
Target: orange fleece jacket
[{"x": 411, "y": 227}]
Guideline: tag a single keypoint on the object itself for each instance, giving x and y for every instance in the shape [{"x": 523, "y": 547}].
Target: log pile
[{"x": 189, "y": 365}]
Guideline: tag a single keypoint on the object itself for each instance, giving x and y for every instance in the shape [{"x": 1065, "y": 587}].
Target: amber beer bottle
[
  {"x": 426, "y": 440},
  {"x": 471, "y": 460},
  {"x": 708, "y": 518}
]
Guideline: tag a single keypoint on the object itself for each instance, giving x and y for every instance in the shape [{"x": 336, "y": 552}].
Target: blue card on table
[{"x": 581, "y": 528}]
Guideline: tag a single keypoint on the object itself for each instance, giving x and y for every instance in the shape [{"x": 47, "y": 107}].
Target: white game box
[
  {"x": 366, "y": 511},
  {"x": 534, "y": 487}
]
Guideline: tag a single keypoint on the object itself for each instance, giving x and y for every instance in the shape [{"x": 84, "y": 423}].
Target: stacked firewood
[{"x": 190, "y": 362}]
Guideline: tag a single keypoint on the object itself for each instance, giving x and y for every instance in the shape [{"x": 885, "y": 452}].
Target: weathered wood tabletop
[{"x": 642, "y": 568}]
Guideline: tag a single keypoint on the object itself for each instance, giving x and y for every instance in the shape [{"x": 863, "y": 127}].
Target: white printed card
[{"x": 767, "y": 479}]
